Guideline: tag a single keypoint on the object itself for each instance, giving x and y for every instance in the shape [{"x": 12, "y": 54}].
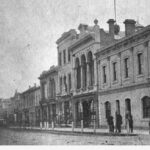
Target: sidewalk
[{"x": 85, "y": 130}]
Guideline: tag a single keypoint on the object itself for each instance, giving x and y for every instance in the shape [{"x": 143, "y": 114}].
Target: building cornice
[
  {"x": 124, "y": 88},
  {"x": 49, "y": 72}
]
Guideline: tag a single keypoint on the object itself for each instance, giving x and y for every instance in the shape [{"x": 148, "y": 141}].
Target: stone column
[
  {"x": 81, "y": 76},
  {"x": 75, "y": 78},
  {"x": 120, "y": 75},
  {"x": 95, "y": 72},
  {"x": 146, "y": 45},
  {"x": 41, "y": 117},
  {"x": 99, "y": 75},
  {"x": 47, "y": 110},
  {"x": 82, "y": 123},
  {"x": 88, "y": 75}
]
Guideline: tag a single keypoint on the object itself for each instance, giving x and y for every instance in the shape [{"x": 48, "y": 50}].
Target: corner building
[{"x": 124, "y": 76}]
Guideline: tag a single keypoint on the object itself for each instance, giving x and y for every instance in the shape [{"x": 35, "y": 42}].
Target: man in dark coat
[
  {"x": 110, "y": 124},
  {"x": 118, "y": 122}
]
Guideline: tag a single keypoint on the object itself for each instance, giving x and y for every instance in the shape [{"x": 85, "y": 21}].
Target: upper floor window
[
  {"x": 69, "y": 56},
  {"x": 104, "y": 74},
  {"x": 126, "y": 66},
  {"x": 139, "y": 59},
  {"x": 115, "y": 71},
  {"x": 60, "y": 59},
  {"x": 52, "y": 88},
  {"x": 65, "y": 84},
  {"x": 64, "y": 53},
  {"x": 60, "y": 84},
  {"x": 69, "y": 79},
  {"x": 44, "y": 90}
]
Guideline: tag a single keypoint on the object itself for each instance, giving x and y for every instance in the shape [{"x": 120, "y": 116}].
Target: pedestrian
[
  {"x": 118, "y": 122},
  {"x": 149, "y": 126},
  {"x": 129, "y": 122},
  {"x": 110, "y": 124}
]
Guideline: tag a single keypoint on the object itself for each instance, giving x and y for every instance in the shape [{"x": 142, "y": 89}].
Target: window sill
[
  {"x": 83, "y": 89},
  {"x": 126, "y": 79},
  {"x": 145, "y": 119},
  {"x": 90, "y": 87},
  {"x": 77, "y": 90},
  {"x": 115, "y": 82},
  {"x": 140, "y": 76}
]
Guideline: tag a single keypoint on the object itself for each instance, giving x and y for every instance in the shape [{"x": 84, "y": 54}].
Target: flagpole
[{"x": 115, "y": 9}]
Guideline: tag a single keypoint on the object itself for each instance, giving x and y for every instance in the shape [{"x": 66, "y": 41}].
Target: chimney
[
  {"x": 129, "y": 26},
  {"x": 111, "y": 27},
  {"x": 34, "y": 84},
  {"x": 82, "y": 28}
]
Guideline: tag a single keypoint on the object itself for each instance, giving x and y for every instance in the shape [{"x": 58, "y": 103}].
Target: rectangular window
[
  {"x": 59, "y": 59},
  {"x": 126, "y": 63},
  {"x": 104, "y": 74},
  {"x": 139, "y": 57},
  {"x": 146, "y": 107},
  {"x": 45, "y": 90},
  {"x": 68, "y": 55},
  {"x": 69, "y": 78},
  {"x": 114, "y": 71},
  {"x": 60, "y": 84},
  {"x": 64, "y": 53}
]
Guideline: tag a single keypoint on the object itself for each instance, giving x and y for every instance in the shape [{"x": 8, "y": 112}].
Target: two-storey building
[
  {"x": 48, "y": 102},
  {"x": 124, "y": 76}
]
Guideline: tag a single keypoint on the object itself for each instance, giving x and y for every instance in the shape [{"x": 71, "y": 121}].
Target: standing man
[
  {"x": 110, "y": 124},
  {"x": 118, "y": 122}
]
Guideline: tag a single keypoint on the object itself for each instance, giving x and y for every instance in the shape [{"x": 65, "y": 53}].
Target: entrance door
[{"x": 86, "y": 114}]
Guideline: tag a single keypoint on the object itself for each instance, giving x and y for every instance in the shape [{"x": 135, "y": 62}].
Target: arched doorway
[{"x": 86, "y": 113}]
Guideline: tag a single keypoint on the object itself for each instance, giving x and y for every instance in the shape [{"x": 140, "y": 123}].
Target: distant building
[
  {"x": 30, "y": 106},
  {"x": 48, "y": 102}
]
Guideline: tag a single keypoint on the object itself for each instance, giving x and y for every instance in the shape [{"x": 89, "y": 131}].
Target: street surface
[{"x": 28, "y": 137}]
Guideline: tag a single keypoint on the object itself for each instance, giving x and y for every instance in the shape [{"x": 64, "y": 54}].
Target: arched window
[
  {"x": 146, "y": 107},
  {"x": 84, "y": 70},
  {"x": 78, "y": 73},
  {"x": 107, "y": 109},
  {"x": 128, "y": 105},
  {"x": 91, "y": 68},
  {"x": 65, "y": 83},
  {"x": 118, "y": 106}
]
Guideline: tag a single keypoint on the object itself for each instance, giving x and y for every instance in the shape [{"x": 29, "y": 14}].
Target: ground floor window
[{"x": 146, "y": 107}]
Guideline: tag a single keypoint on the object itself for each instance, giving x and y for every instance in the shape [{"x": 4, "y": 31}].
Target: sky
[{"x": 29, "y": 30}]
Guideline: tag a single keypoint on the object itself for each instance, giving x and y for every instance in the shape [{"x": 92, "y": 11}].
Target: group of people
[{"x": 118, "y": 123}]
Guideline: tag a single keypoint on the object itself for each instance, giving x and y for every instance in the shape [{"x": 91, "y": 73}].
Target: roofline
[
  {"x": 123, "y": 39},
  {"x": 77, "y": 42},
  {"x": 50, "y": 71}
]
